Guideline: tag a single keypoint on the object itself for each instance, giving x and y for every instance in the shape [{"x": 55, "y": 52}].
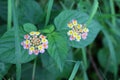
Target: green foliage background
[{"x": 96, "y": 58}]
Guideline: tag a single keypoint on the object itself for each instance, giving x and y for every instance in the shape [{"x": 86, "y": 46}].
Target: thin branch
[{"x": 94, "y": 65}]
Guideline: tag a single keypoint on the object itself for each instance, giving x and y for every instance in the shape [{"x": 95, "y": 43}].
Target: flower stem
[
  {"x": 84, "y": 57},
  {"x": 34, "y": 68},
  {"x": 9, "y": 14}
]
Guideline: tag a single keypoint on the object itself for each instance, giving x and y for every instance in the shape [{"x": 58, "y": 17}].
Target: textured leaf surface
[
  {"x": 29, "y": 11},
  {"x": 7, "y": 48},
  {"x": 105, "y": 59},
  {"x": 4, "y": 67},
  {"x": 66, "y": 16},
  {"x": 50, "y": 64},
  {"x": 58, "y": 48},
  {"x": 48, "y": 29},
  {"x": 28, "y": 27}
]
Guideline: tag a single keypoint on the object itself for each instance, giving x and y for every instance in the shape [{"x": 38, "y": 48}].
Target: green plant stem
[
  {"x": 73, "y": 61},
  {"x": 9, "y": 14},
  {"x": 94, "y": 10},
  {"x": 71, "y": 6},
  {"x": 84, "y": 57},
  {"x": 17, "y": 3},
  {"x": 34, "y": 68},
  {"x": 63, "y": 6},
  {"x": 112, "y": 12},
  {"x": 49, "y": 8},
  {"x": 17, "y": 43},
  {"x": 75, "y": 69},
  {"x": 94, "y": 65},
  {"x": 84, "y": 71},
  {"x": 84, "y": 64}
]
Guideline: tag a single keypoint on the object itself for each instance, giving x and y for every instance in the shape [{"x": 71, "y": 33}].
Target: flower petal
[
  {"x": 42, "y": 51},
  {"x": 84, "y": 35},
  {"x": 36, "y": 52}
]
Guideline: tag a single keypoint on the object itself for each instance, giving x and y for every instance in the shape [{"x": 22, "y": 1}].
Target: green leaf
[
  {"x": 49, "y": 63},
  {"x": 2, "y": 29},
  {"x": 48, "y": 29},
  {"x": 4, "y": 67},
  {"x": 28, "y": 27},
  {"x": 66, "y": 16},
  {"x": 105, "y": 60},
  {"x": 76, "y": 67},
  {"x": 49, "y": 8},
  {"x": 58, "y": 48},
  {"x": 3, "y": 9},
  {"x": 7, "y": 48},
  {"x": 29, "y": 11},
  {"x": 40, "y": 74},
  {"x": 94, "y": 10},
  {"x": 112, "y": 52}
]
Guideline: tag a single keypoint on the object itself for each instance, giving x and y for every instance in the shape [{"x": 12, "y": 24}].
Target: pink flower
[
  {"x": 36, "y": 52},
  {"x": 35, "y": 43},
  {"x": 41, "y": 36},
  {"x": 26, "y": 36},
  {"x": 30, "y": 52},
  {"x": 45, "y": 45},
  {"x": 84, "y": 35},
  {"x": 22, "y": 43},
  {"x": 42, "y": 51},
  {"x": 26, "y": 46},
  {"x": 77, "y": 31},
  {"x": 46, "y": 42},
  {"x": 72, "y": 38}
]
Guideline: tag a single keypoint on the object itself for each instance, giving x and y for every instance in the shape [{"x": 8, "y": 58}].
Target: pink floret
[{"x": 84, "y": 35}]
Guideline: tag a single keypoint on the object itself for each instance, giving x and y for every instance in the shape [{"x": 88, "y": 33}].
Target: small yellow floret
[
  {"x": 32, "y": 33},
  {"x": 78, "y": 26},
  {"x": 70, "y": 32},
  {"x": 75, "y": 34},
  {"x": 32, "y": 48},
  {"x": 40, "y": 47},
  {"x": 27, "y": 41},
  {"x": 78, "y": 37},
  {"x": 74, "y": 22},
  {"x": 44, "y": 40},
  {"x": 81, "y": 30},
  {"x": 85, "y": 30},
  {"x": 37, "y": 33},
  {"x": 70, "y": 25}
]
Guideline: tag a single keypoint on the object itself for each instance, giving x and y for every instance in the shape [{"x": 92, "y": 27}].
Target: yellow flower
[
  {"x": 37, "y": 33},
  {"x": 32, "y": 48},
  {"x": 70, "y": 32},
  {"x": 44, "y": 40},
  {"x": 75, "y": 34},
  {"x": 77, "y": 31},
  {"x": 81, "y": 30},
  {"x": 79, "y": 26},
  {"x": 27, "y": 41},
  {"x": 74, "y": 22},
  {"x": 85, "y": 30},
  {"x": 78, "y": 37},
  {"x": 32, "y": 33},
  {"x": 40, "y": 47},
  {"x": 70, "y": 25}
]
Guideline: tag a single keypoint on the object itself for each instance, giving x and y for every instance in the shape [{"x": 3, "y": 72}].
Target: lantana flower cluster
[
  {"x": 77, "y": 31},
  {"x": 35, "y": 42}
]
